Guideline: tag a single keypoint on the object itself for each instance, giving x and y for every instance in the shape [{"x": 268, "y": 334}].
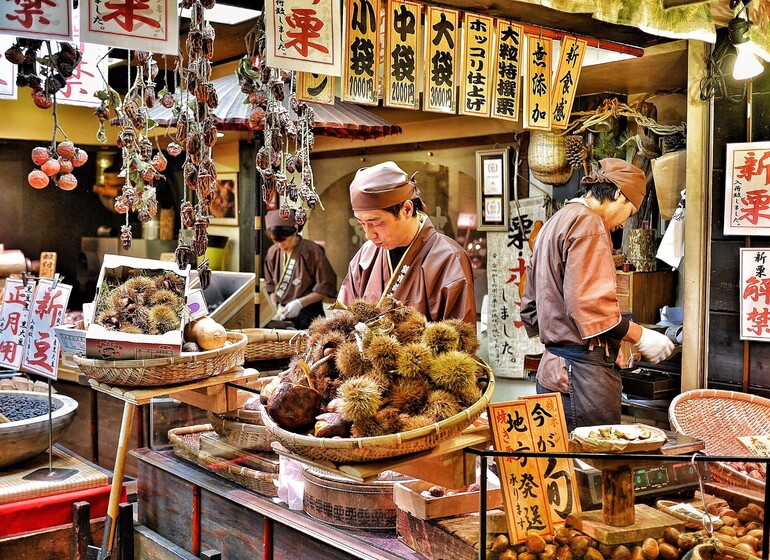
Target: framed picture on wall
[
  {"x": 224, "y": 204},
  {"x": 492, "y": 193}
]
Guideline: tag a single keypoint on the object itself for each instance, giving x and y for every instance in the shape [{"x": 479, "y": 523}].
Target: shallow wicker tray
[
  {"x": 353, "y": 450},
  {"x": 273, "y": 344},
  {"x": 241, "y": 434},
  {"x": 189, "y": 366},
  {"x": 719, "y": 418},
  {"x": 186, "y": 444}
]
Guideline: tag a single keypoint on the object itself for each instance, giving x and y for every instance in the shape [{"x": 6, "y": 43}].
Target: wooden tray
[{"x": 408, "y": 497}]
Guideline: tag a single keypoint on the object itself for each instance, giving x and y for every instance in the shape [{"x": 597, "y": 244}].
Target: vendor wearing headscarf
[
  {"x": 404, "y": 257},
  {"x": 569, "y": 299},
  {"x": 298, "y": 276}
]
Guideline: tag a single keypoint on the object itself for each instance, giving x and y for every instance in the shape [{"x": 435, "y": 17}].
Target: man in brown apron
[
  {"x": 569, "y": 299},
  {"x": 404, "y": 257},
  {"x": 297, "y": 273}
]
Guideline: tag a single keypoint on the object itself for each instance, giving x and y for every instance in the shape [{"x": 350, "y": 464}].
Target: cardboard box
[
  {"x": 408, "y": 497},
  {"x": 71, "y": 338},
  {"x": 115, "y": 345},
  {"x": 230, "y": 298}
]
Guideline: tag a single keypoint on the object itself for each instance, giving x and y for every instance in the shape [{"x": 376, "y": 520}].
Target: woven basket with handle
[
  {"x": 186, "y": 444},
  {"x": 190, "y": 366},
  {"x": 351, "y": 450},
  {"x": 273, "y": 344},
  {"x": 241, "y": 434},
  {"x": 719, "y": 418}
]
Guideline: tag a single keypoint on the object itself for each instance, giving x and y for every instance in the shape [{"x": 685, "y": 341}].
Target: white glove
[
  {"x": 654, "y": 346},
  {"x": 292, "y": 309}
]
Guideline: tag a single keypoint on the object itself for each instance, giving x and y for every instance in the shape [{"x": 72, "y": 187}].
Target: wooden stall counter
[{"x": 197, "y": 511}]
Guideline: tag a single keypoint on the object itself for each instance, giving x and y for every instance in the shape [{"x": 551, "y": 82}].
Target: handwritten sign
[
  {"x": 41, "y": 347},
  {"x": 47, "y": 20},
  {"x": 87, "y": 77},
  {"x": 403, "y": 55},
  {"x": 549, "y": 432},
  {"x": 14, "y": 319},
  {"x": 442, "y": 28},
  {"x": 537, "y": 89},
  {"x": 758, "y": 446},
  {"x": 754, "y": 294},
  {"x": 747, "y": 189},
  {"x": 506, "y": 84},
  {"x": 47, "y": 264},
  {"x": 567, "y": 75},
  {"x": 304, "y": 36},
  {"x": 7, "y": 70},
  {"x": 524, "y": 495},
  {"x": 144, "y": 25},
  {"x": 316, "y": 88},
  {"x": 360, "y": 76},
  {"x": 477, "y": 69}
]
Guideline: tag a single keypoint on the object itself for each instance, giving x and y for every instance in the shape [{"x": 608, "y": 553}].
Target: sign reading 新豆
[
  {"x": 537, "y": 88},
  {"x": 442, "y": 33},
  {"x": 360, "y": 76},
  {"x": 506, "y": 84},
  {"x": 37, "y": 19},
  {"x": 747, "y": 189},
  {"x": 755, "y": 294},
  {"x": 403, "y": 54},
  {"x": 304, "y": 36},
  {"x": 41, "y": 348},
  {"x": 567, "y": 75},
  {"x": 476, "y": 69},
  {"x": 145, "y": 25}
]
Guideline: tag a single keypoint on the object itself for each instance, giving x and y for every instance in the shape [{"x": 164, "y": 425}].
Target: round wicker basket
[
  {"x": 547, "y": 157},
  {"x": 273, "y": 344},
  {"x": 719, "y": 418},
  {"x": 241, "y": 434},
  {"x": 352, "y": 450},
  {"x": 190, "y": 366}
]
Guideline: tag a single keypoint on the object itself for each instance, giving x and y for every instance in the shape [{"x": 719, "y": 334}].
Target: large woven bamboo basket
[
  {"x": 352, "y": 450},
  {"x": 719, "y": 418},
  {"x": 186, "y": 444},
  {"x": 547, "y": 157},
  {"x": 252, "y": 437},
  {"x": 190, "y": 366},
  {"x": 273, "y": 344}
]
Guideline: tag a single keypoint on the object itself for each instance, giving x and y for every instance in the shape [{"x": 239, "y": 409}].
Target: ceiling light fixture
[
  {"x": 747, "y": 65},
  {"x": 230, "y": 15}
]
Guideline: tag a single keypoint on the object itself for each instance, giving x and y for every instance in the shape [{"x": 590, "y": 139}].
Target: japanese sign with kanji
[
  {"x": 14, "y": 321},
  {"x": 139, "y": 25},
  {"x": 360, "y": 73},
  {"x": 403, "y": 55},
  {"x": 549, "y": 431},
  {"x": 507, "y": 254},
  {"x": 477, "y": 65},
  {"x": 573, "y": 52},
  {"x": 755, "y": 294},
  {"x": 506, "y": 83},
  {"x": 747, "y": 189},
  {"x": 758, "y": 446},
  {"x": 521, "y": 482},
  {"x": 37, "y": 19},
  {"x": 316, "y": 88},
  {"x": 88, "y": 76},
  {"x": 304, "y": 36},
  {"x": 41, "y": 347},
  {"x": 537, "y": 83},
  {"x": 7, "y": 70},
  {"x": 442, "y": 34}
]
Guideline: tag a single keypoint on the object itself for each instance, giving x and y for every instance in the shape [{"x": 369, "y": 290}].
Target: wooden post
[
  {"x": 618, "y": 496},
  {"x": 81, "y": 530},
  {"x": 124, "y": 545}
]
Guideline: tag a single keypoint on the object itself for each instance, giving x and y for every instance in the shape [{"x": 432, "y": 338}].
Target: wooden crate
[
  {"x": 408, "y": 497},
  {"x": 644, "y": 293}
]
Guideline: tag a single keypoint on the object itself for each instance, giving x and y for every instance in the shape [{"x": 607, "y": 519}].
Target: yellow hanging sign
[
  {"x": 360, "y": 76},
  {"x": 442, "y": 35},
  {"x": 403, "y": 55},
  {"x": 537, "y": 85},
  {"x": 476, "y": 70},
  {"x": 506, "y": 84},
  {"x": 316, "y": 88},
  {"x": 573, "y": 52}
]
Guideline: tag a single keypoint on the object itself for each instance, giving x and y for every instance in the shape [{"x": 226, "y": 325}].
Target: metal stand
[{"x": 50, "y": 474}]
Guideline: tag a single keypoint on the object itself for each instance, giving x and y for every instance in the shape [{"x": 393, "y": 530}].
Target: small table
[{"x": 218, "y": 393}]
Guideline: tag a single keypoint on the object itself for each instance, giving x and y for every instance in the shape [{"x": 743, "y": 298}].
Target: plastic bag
[{"x": 291, "y": 483}]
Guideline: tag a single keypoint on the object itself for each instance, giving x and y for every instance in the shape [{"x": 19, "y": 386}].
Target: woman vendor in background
[{"x": 298, "y": 276}]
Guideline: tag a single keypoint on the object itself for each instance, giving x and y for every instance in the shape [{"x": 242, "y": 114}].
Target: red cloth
[{"x": 34, "y": 514}]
